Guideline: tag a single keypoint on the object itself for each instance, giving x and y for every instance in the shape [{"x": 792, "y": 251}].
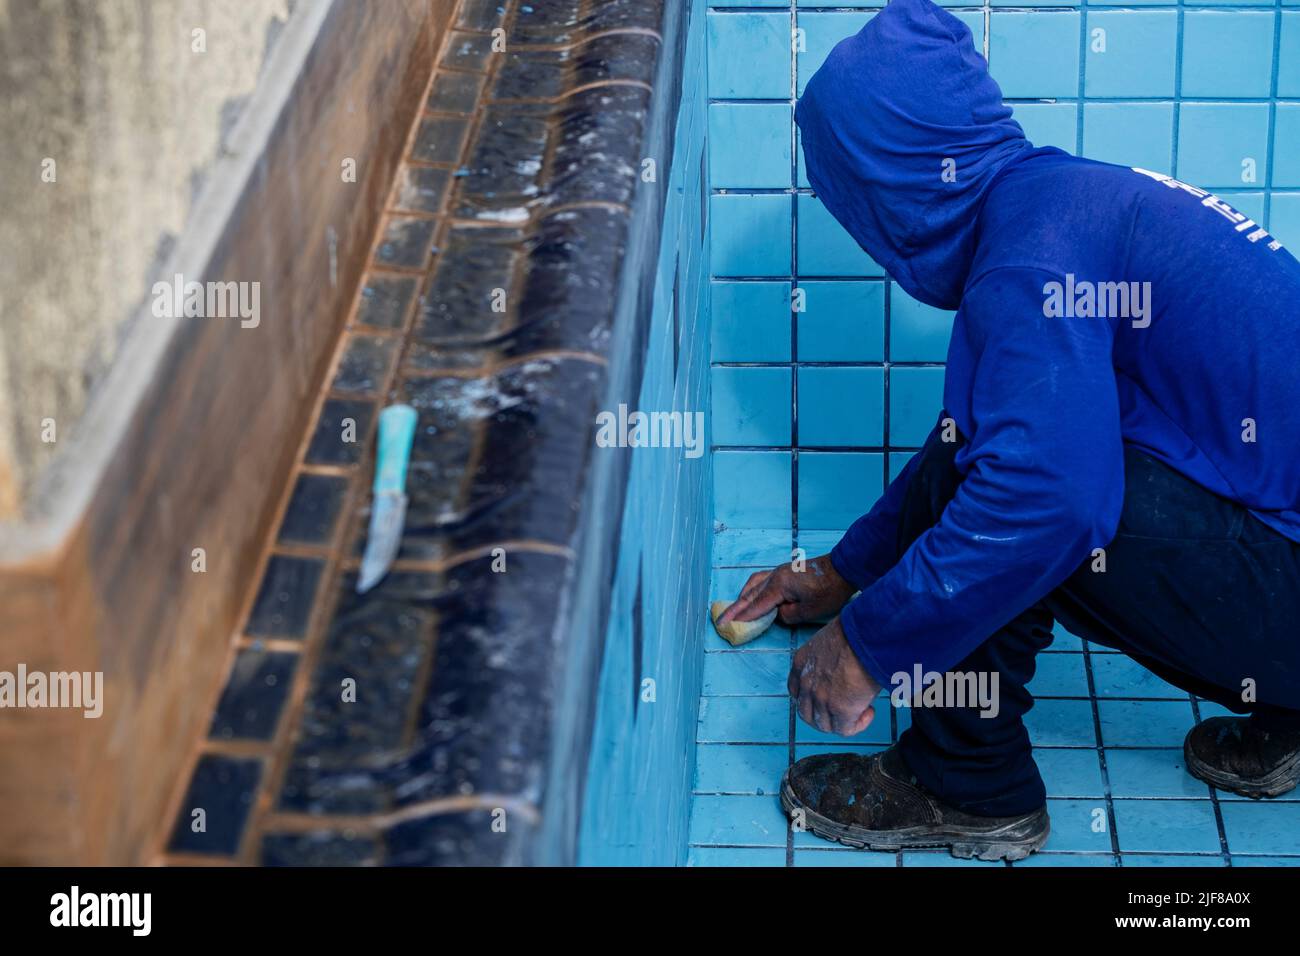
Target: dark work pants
[{"x": 1195, "y": 588}]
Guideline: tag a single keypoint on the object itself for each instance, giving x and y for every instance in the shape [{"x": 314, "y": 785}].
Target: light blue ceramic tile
[
  {"x": 1288, "y": 71},
  {"x": 915, "y": 400},
  {"x": 1115, "y": 675},
  {"x": 1262, "y": 827},
  {"x": 1050, "y": 124},
  {"x": 739, "y": 768},
  {"x": 1039, "y": 3},
  {"x": 749, "y": 145},
  {"x": 1151, "y": 773},
  {"x": 842, "y": 3},
  {"x": 1166, "y": 826},
  {"x": 1130, "y": 134},
  {"x": 1059, "y": 675},
  {"x": 830, "y": 857},
  {"x": 816, "y": 542},
  {"x": 1249, "y": 204},
  {"x": 1286, "y": 146},
  {"x": 1035, "y": 54},
  {"x": 917, "y": 332},
  {"x": 1284, "y": 220},
  {"x": 1223, "y": 144},
  {"x": 1238, "y": 860},
  {"x": 837, "y": 488},
  {"x": 1227, "y": 53},
  {"x": 1078, "y": 826},
  {"x": 783, "y": 4},
  {"x": 877, "y": 732},
  {"x": 801, "y": 172},
  {"x": 751, "y": 322},
  {"x": 1132, "y": 860},
  {"x": 821, "y": 31},
  {"x": 746, "y": 675},
  {"x": 844, "y": 745},
  {"x": 1069, "y": 772},
  {"x": 746, "y": 235},
  {"x": 736, "y": 856},
  {"x": 897, "y": 462},
  {"x": 1144, "y": 723},
  {"x": 1131, "y": 53},
  {"x": 974, "y": 21},
  {"x": 1067, "y": 860},
  {"x": 751, "y": 406},
  {"x": 1063, "y": 640},
  {"x": 744, "y": 720},
  {"x": 841, "y": 406},
  {"x": 751, "y": 489},
  {"x": 825, "y": 249},
  {"x": 737, "y": 821},
  {"x": 942, "y": 858},
  {"x": 751, "y": 547},
  {"x": 842, "y": 321},
  {"x": 1061, "y": 723},
  {"x": 749, "y": 55}
]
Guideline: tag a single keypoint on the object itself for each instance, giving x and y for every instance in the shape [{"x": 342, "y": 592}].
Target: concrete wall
[{"x": 130, "y": 104}]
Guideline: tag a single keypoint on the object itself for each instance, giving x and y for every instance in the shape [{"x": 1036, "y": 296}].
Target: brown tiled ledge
[{"x": 470, "y": 728}]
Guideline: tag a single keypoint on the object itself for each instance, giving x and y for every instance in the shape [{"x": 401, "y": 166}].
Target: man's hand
[
  {"x": 832, "y": 690},
  {"x": 814, "y": 594}
]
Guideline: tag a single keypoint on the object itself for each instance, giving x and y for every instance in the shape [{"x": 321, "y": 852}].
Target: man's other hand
[{"x": 831, "y": 689}]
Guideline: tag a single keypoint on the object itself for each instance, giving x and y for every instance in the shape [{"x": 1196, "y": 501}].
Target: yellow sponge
[{"x": 737, "y": 633}]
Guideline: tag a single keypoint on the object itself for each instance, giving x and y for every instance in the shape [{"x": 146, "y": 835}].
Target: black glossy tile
[
  {"x": 485, "y": 719},
  {"x": 284, "y": 601},
  {"x": 504, "y": 173},
  {"x": 483, "y": 15},
  {"x": 320, "y": 849},
  {"x": 578, "y": 249},
  {"x": 457, "y": 306},
  {"x": 384, "y": 300},
  {"x": 468, "y": 51},
  {"x": 365, "y": 364},
  {"x": 380, "y": 642},
  {"x": 440, "y": 139},
  {"x": 426, "y": 357},
  {"x": 313, "y": 509},
  {"x": 406, "y": 242},
  {"x": 341, "y": 432},
  {"x": 549, "y": 74},
  {"x": 254, "y": 696},
  {"x": 459, "y": 839},
  {"x": 456, "y": 92},
  {"x": 556, "y": 21},
  {"x": 422, "y": 188},
  {"x": 222, "y": 788},
  {"x": 589, "y": 158}
]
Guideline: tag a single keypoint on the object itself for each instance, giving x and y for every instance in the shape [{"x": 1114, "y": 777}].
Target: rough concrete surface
[{"x": 131, "y": 105}]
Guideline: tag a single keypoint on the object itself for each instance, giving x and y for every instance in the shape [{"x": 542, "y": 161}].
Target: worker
[{"x": 1119, "y": 452}]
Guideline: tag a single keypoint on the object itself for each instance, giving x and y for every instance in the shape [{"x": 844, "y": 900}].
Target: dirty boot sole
[
  {"x": 1282, "y": 779},
  {"x": 1014, "y": 840}
]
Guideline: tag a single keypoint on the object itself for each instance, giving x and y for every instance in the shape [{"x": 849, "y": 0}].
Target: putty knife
[{"x": 388, "y": 510}]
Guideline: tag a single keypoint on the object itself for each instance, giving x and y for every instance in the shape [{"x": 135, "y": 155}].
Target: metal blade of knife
[{"x": 388, "y": 509}]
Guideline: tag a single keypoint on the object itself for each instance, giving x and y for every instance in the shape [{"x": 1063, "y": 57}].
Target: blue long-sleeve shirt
[{"x": 1096, "y": 304}]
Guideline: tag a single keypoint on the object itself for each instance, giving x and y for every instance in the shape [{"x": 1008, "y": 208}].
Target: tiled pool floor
[{"x": 1107, "y": 736}]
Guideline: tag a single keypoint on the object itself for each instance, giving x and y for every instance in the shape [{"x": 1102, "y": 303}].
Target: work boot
[
  {"x": 1237, "y": 754},
  {"x": 874, "y": 802}
]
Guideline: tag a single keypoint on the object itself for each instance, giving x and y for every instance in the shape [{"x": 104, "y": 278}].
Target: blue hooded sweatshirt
[{"x": 1097, "y": 305}]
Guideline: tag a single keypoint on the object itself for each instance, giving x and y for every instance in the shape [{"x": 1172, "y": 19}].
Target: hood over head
[{"x": 903, "y": 132}]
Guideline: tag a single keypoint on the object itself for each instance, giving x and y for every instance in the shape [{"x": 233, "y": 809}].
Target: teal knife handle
[{"x": 396, "y": 435}]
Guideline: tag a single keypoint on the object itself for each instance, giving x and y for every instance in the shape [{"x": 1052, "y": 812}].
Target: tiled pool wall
[
  {"x": 638, "y": 788},
  {"x": 826, "y": 376}
]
